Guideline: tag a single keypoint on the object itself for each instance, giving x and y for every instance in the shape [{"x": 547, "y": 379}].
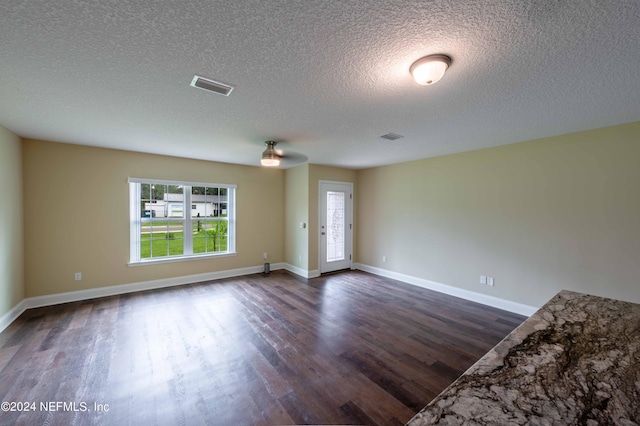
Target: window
[{"x": 163, "y": 229}]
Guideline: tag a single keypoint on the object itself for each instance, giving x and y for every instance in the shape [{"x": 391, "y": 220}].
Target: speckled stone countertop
[{"x": 576, "y": 361}]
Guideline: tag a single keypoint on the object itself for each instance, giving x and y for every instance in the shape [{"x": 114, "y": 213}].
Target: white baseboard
[
  {"x": 302, "y": 272},
  {"x": 472, "y": 296},
  {"x": 12, "y": 315},
  {"x": 74, "y": 296}
]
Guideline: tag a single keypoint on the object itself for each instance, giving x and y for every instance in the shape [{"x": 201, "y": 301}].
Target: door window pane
[{"x": 335, "y": 226}]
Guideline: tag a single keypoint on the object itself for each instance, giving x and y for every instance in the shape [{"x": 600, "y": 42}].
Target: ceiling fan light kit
[
  {"x": 270, "y": 157},
  {"x": 430, "y": 69}
]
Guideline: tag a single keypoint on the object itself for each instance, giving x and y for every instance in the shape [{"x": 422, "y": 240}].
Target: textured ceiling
[{"x": 326, "y": 78}]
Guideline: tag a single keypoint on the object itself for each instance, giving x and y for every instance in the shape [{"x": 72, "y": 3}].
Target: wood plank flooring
[{"x": 347, "y": 348}]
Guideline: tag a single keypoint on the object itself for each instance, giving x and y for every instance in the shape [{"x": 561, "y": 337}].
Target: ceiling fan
[{"x": 272, "y": 157}]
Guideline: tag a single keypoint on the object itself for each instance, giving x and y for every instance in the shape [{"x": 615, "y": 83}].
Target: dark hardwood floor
[{"x": 347, "y": 348}]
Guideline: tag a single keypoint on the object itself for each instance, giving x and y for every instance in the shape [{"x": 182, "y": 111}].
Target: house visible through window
[{"x": 161, "y": 227}]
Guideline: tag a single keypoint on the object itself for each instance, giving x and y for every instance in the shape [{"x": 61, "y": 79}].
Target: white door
[{"x": 336, "y": 225}]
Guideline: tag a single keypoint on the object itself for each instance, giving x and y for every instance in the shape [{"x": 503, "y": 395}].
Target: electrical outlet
[
  {"x": 490, "y": 281},
  {"x": 264, "y": 255},
  {"x": 384, "y": 259},
  {"x": 78, "y": 276},
  {"x": 483, "y": 279}
]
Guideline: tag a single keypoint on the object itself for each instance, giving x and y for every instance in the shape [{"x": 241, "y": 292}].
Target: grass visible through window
[{"x": 171, "y": 243}]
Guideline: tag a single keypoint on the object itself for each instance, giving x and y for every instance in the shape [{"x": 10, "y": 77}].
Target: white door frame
[{"x": 323, "y": 266}]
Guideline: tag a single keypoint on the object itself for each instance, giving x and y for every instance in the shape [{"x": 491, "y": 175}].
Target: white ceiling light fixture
[
  {"x": 430, "y": 69},
  {"x": 270, "y": 157}
]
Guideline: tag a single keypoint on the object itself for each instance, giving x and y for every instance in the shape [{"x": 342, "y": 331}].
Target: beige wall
[
  {"x": 76, "y": 211},
  {"x": 76, "y": 215},
  {"x": 540, "y": 216},
  {"x": 302, "y": 185},
  {"x": 296, "y": 211},
  {"x": 11, "y": 225}
]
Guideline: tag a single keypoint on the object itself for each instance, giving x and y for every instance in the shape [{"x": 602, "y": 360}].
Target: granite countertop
[{"x": 576, "y": 361}]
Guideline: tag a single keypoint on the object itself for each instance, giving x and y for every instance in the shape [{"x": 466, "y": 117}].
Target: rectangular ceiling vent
[
  {"x": 391, "y": 136},
  {"x": 211, "y": 85}
]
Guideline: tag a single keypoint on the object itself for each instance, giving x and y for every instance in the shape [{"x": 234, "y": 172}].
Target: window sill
[{"x": 179, "y": 259}]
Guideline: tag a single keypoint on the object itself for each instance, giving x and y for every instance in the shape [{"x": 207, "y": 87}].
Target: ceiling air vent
[
  {"x": 211, "y": 85},
  {"x": 392, "y": 136}
]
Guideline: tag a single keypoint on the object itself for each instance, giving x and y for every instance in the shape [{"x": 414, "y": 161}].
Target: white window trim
[{"x": 135, "y": 222}]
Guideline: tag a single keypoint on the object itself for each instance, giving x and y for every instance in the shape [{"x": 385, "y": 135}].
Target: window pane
[
  {"x": 145, "y": 245},
  {"x": 175, "y": 238},
  {"x": 158, "y": 248},
  {"x": 215, "y": 201},
  {"x": 145, "y": 200},
  {"x": 204, "y": 202},
  {"x": 156, "y": 192},
  {"x": 174, "y": 201},
  {"x": 197, "y": 201},
  {"x": 210, "y": 236},
  {"x": 199, "y": 233},
  {"x": 335, "y": 226},
  {"x": 221, "y": 234},
  {"x": 166, "y": 239}
]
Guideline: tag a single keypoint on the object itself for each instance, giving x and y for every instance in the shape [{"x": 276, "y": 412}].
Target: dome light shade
[
  {"x": 270, "y": 162},
  {"x": 430, "y": 69},
  {"x": 270, "y": 157}
]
